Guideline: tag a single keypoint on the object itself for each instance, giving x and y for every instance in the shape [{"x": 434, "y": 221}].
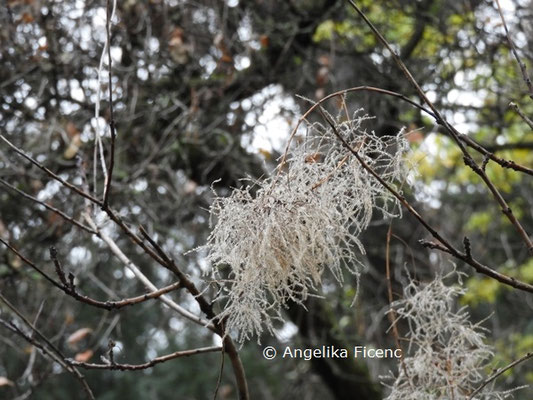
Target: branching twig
[
  {"x": 31, "y": 264},
  {"x": 445, "y": 244},
  {"x": 109, "y": 176},
  {"x": 135, "y": 367},
  {"x": 499, "y": 372},
  {"x": 453, "y": 133},
  {"x": 48, "y": 207},
  {"x": 70, "y": 289},
  {"x": 205, "y": 306},
  {"x": 207, "y": 309},
  {"x": 526, "y": 119},
  {"x": 521, "y": 64},
  {"x": 464, "y": 138},
  {"x": 50, "y": 349},
  {"x": 141, "y": 277},
  {"x": 50, "y": 173}
]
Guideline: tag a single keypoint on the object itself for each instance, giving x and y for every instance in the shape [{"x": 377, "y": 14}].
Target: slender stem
[
  {"x": 50, "y": 173},
  {"x": 158, "y": 360},
  {"x": 205, "y": 306},
  {"x": 464, "y": 138},
  {"x": 500, "y": 372},
  {"x": 54, "y": 352},
  {"x": 524, "y": 117},
  {"x": 107, "y": 187},
  {"x": 392, "y": 313},
  {"x": 31, "y": 264},
  {"x": 453, "y": 133},
  {"x": 48, "y": 207},
  {"x": 521, "y": 64},
  {"x": 443, "y": 243}
]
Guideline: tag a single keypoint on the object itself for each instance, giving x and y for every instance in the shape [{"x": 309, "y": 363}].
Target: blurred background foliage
[{"x": 204, "y": 91}]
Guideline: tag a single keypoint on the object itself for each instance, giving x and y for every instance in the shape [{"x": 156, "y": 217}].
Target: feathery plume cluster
[
  {"x": 447, "y": 355},
  {"x": 279, "y": 236}
]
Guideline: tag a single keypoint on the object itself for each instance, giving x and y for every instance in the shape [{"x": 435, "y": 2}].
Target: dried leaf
[
  {"x": 415, "y": 137},
  {"x": 264, "y": 40},
  {"x": 27, "y": 18},
  {"x": 322, "y": 76},
  {"x": 69, "y": 318},
  {"x": 324, "y": 60},
  {"x": 79, "y": 335},
  {"x": 313, "y": 158},
  {"x": 5, "y": 382},
  {"x": 72, "y": 129},
  {"x": 226, "y": 58},
  {"x": 84, "y": 356},
  {"x": 73, "y": 147},
  {"x": 266, "y": 154}
]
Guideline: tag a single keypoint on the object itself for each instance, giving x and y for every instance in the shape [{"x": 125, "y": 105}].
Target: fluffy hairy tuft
[
  {"x": 303, "y": 220},
  {"x": 447, "y": 354}
]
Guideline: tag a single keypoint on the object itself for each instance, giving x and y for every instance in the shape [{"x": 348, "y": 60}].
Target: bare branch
[
  {"x": 158, "y": 360},
  {"x": 453, "y": 133},
  {"x": 70, "y": 289},
  {"x": 445, "y": 244},
  {"x": 109, "y": 176},
  {"x": 31, "y": 264},
  {"x": 48, "y": 207},
  {"x": 464, "y": 138},
  {"x": 50, "y": 173},
  {"x": 526, "y": 119},
  {"x": 499, "y": 372},
  {"x": 521, "y": 64},
  {"x": 140, "y": 276},
  {"x": 50, "y": 349},
  {"x": 206, "y": 307}
]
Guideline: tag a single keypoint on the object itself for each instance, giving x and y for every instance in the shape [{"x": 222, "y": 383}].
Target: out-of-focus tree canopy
[{"x": 204, "y": 94}]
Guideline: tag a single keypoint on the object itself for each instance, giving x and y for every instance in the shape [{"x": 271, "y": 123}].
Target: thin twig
[
  {"x": 510, "y": 164},
  {"x": 31, "y": 264},
  {"x": 141, "y": 277},
  {"x": 149, "y": 364},
  {"x": 392, "y": 312},
  {"x": 205, "y": 306},
  {"x": 509, "y": 146},
  {"x": 464, "y": 138},
  {"x": 107, "y": 187},
  {"x": 220, "y": 371},
  {"x": 521, "y": 64},
  {"x": 54, "y": 352},
  {"x": 526, "y": 119},
  {"x": 445, "y": 244},
  {"x": 71, "y": 290},
  {"x": 48, "y": 207},
  {"x": 453, "y": 133},
  {"x": 499, "y": 372},
  {"x": 50, "y": 173}
]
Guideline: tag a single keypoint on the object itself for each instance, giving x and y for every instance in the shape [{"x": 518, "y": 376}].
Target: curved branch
[
  {"x": 500, "y": 372},
  {"x": 51, "y": 350},
  {"x": 146, "y": 365},
  {"x": 48, "y": 207},
  {"x": 443, "y": 244},
  {"x": 457, "y": 137}
]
